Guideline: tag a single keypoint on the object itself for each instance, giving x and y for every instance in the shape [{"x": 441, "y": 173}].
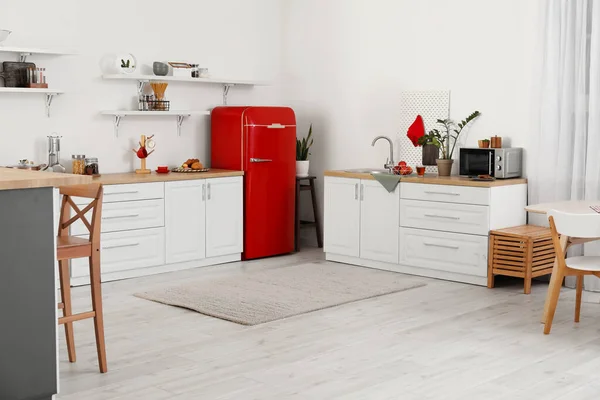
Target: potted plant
[
  {"x": 484, "y": 144},
  {"x": 431, "y": 148},
  {"x": 302, "y": 148},
  {"x": 448, "y": 135}
]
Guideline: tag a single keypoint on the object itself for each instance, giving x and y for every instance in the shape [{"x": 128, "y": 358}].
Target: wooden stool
[
  {"x": 70, "y": 247},
  {"x": 317, "y": 219},
  {"x": 523, "y": 251}
]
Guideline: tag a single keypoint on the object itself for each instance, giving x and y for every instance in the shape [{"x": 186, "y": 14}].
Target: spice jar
[
  {"x": 78, "y": 161},
  {"x": 195, "y": 71},
  {"x": 91, "y": 166}
]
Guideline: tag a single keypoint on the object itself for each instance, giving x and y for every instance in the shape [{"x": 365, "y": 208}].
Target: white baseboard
[
  {"x": 405, "y": 269},
  {"x": 135, "y": 273}
]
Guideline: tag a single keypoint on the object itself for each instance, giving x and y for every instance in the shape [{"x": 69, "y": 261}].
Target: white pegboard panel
[{"x": 431, "y": 105}]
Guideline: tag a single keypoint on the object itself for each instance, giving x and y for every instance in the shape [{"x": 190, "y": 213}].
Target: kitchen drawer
[
  {"x": 126, "y": 215},
  {"x": 445, "y": 193},
  {"x": 443, "y": 251},
  {"x": 125, "y": 251},
  {"x": 134, "y": 191},
  {"x": 461, "y": 218}
]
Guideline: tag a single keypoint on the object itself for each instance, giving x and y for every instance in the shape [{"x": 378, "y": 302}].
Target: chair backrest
[
  {"x": 576, "y": 225},
  {"x": 91, "y": 191}
]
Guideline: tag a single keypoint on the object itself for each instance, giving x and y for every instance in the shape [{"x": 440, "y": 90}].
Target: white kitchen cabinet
[
  {"x": 224, "y": 216},
  {"x": 185, "y": 220},
  {"x": 361, "y": 219},
  {"x": 342, "y": 216},
  {"x": 379, "y": 213}
]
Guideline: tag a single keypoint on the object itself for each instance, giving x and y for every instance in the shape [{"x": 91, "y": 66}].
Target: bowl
[
  {"x": 4, "y": 34},
  {"x": 160, "y": 69}
]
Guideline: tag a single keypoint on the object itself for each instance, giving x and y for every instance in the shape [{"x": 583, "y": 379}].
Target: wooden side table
[
  {"x": 317, "y": 219},
  {"x": 523, "y": 251}
]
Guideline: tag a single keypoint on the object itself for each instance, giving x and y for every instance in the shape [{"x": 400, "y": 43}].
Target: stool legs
[
  {"x": 65, "y": 293},
  {"x": 317, "y": 216},
  {"x": 297, "y": 219},
  {"x": 95, "y": 284},
  {"x": 579, "y": 292}
]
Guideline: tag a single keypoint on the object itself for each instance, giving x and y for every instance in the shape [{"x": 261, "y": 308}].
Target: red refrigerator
[{"x": 261, "y": 141}]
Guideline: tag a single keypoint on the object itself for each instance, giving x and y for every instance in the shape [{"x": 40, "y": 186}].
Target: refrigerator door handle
[
  {"x": 356, "y": 191},
  {"x": 276, "y": 126},
  {"x": 260, "y": 160}
]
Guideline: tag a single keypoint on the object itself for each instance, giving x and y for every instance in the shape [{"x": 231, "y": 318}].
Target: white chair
[{"x": 584, "y": 226}]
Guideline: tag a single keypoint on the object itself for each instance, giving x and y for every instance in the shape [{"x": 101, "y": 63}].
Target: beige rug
[{"x": 263, "y": 296}]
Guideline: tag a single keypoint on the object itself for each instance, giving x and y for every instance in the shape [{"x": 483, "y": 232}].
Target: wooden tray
[{"x": 189, "y": 170}]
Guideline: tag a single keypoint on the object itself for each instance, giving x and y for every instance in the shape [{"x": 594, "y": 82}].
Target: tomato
[{"x": 402, "y": 163}]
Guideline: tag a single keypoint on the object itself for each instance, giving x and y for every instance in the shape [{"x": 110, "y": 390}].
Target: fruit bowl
[{"x": 402, "y": 169}]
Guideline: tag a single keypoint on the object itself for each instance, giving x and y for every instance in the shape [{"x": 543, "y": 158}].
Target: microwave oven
[{"x": 499, "y": 163}]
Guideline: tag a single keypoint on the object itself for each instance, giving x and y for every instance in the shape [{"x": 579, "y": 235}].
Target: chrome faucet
[{"x": 389, "y": 164}]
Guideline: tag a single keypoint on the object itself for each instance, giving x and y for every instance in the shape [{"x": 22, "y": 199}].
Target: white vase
[{"x": 302, "y": 168}]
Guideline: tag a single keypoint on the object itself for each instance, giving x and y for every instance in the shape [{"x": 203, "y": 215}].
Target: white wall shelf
[
  {"x": 49, "y": 94},
  {"x": 23, "y": 52},
  {"x": 180, "y": 114},
  {"x": 142, "y": 79}
]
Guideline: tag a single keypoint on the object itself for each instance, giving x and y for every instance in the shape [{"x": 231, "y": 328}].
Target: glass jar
[
  {"x": 91, "y": 166},
  {"x": 78, "y": 161}
]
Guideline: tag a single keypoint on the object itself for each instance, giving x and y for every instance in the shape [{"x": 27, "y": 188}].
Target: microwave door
[{"x": 476, "y": 162}]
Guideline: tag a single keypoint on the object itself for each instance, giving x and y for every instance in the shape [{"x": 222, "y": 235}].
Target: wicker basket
[{"x": 524, "y": 252}]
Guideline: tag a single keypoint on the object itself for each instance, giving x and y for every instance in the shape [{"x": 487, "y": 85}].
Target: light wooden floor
[{"x": 442, "y": 341}]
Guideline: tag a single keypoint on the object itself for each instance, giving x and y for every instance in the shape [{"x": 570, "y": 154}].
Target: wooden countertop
[
  {"x": 433, "y": 179},
  {"x": 11, "y": 178},
  {"x": 132, "y": 177}
]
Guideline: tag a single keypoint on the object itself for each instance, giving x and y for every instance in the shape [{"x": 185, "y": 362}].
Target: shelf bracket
[
  {"x": 179, "y": 122},
  {"x": 49, "y": 98},
  {"x": 226, "y": 88},
  {"x": 23, "y": 57},
  {"x": 140, "y": 86},
  {"x": 117, "y": 122}
]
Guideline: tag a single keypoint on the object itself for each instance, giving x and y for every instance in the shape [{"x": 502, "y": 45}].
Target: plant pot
[
  {"x": 302, "y": 168},
  {"x": 483, "y": 144},
  {"x": 430, "y": 154},
  {"x": 444, "y": 167}
]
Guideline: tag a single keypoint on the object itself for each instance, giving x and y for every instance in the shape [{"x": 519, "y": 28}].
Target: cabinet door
[
  {"x": 185, "y": 220},
  {"x": 379, "y": 222},
  {"x": 342, "y": 216},
  {"x": 224, "y": 216}
]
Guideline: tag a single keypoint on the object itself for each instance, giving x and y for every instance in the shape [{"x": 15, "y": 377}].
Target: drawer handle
[
  {"x": 442, "y": 246},
  {"x": 122, "y": 216},
  {"x": 120, "y": 246},
  {"x": 115, "y": 193},
  {"x": 442, "y": 216},
  {"x": 447, "y": 194}
]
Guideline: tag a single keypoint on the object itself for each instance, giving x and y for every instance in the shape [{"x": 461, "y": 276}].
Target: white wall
[
  {"x": 236, "y": 39},
  {"x": 346, "y": 61}
]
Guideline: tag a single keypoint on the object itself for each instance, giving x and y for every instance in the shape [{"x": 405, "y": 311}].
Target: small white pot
[{"x": 302, "y": 168}]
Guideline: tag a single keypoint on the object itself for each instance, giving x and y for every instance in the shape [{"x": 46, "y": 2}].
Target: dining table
[{"x": 572, "y": 207}]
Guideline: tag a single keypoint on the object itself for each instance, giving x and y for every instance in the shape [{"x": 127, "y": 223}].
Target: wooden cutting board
[{"x": 14, "y": 74}]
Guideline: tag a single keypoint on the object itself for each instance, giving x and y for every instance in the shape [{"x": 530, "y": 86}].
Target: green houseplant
[
  {"x": 447, "y": 136},
  {"x": 302, "y": 152}
]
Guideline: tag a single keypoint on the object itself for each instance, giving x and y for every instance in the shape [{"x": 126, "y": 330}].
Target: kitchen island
[
  {"x": 28, "y": 339},
  {"x": 429, "y": 226}
]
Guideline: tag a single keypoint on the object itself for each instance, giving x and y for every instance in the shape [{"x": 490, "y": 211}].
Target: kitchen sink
[{"x": 368, "y": 171}]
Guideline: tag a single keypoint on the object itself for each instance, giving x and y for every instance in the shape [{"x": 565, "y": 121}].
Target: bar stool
[
  {"x": 70, "y": 247},
  {"x": 317, "y": 219}
]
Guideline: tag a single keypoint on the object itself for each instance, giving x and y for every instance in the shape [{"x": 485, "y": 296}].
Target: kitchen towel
[{"x": 388, "y": 181}]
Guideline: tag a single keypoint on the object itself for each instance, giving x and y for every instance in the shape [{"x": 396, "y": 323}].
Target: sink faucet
[{"x": 389, "y": 164}]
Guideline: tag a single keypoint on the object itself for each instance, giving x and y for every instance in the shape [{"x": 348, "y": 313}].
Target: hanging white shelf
[
  {"x": 180, "y": 114},
  {"x": 23, "y": 52},
  {"x": 227, "y": 83},
  {"x": 50, "y": 93}
]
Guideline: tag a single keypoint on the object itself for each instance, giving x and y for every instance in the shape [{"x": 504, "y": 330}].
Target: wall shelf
[
  {"x": 49, "y": 94},
  {"x": 24, "y": 52},
  {"x": 180, "y": 114},
  {"x": 141, "y": 79}
]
